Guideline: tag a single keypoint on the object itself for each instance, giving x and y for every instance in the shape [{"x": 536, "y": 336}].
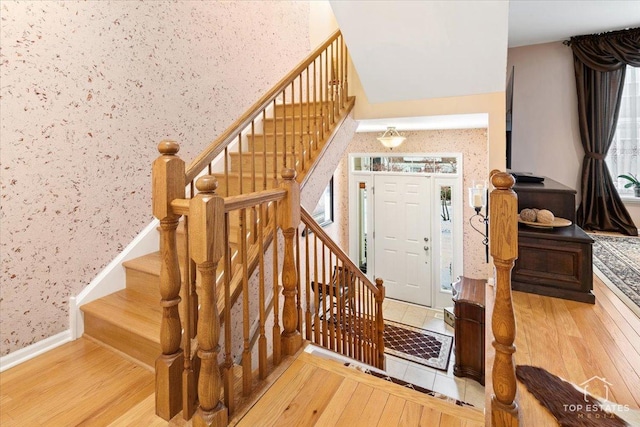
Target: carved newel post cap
[
  {"x": 168, "y": 147},
  {"x": 503, "y": 180},
  {"x": 288, "y": 173},
  {"x": 207, "y": 184}
]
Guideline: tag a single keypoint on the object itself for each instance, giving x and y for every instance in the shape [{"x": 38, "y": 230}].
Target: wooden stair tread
[
  {"x": 132, "y": 311},
  {"x": 149, "y": 263}
]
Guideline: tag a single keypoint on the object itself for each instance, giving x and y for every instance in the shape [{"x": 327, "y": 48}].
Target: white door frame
[
  {"x": 440, "y": 298},
  {"x": 354, "y": 214}
]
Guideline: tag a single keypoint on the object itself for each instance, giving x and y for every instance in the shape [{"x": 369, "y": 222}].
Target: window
[{"x": 623, "y": 156}]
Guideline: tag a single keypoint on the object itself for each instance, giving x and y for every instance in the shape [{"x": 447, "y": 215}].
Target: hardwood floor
[
  {"x": 315, "y": 391},
  {"x": 83, "y": 383},
  {"x": 576, "y": 342},
  {"x": 80, "y": 383}
]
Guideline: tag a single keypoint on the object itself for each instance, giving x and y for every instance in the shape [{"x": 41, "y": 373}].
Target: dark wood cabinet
[
  {"x": 549, "y": 194},
  {"x": 554, "y": 262},
  {"x": 469, "y": 313}
]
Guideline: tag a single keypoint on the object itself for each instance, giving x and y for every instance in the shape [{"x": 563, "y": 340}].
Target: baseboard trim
[{"x": 29, "y": 352}]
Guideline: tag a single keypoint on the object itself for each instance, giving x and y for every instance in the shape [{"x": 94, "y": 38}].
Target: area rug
[
  {"x": 616, "y": 261},
  {"x": 571, "y": 405},
  {"x": 418, "y": 345},
  {"x": 406, "y": 384}
]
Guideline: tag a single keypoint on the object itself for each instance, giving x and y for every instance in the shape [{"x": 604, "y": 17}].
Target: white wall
[
  {"x": 322, "y": 22},
  {"x": 546, "y": 136}
]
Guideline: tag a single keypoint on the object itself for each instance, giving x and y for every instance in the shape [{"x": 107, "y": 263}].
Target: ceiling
[
  {"x": 408, "y": 50},
  {"x": 534, "y": 22},
  {"x": 411, "y": 50}
]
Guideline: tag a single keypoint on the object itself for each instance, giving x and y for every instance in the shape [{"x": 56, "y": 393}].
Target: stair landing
[{"x": 316, "y": 391}]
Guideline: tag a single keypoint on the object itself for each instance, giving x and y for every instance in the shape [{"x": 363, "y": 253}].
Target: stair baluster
[
  {"x": 189, "y": 315},
  {"x": 246, "y": 320},
  {"x": 276, "y": 332},
  {"x": 288, "y": 221},
  {"x": 380, "y": 320},
  {"x": 168, "y": 181},
  {"x": 207, "y": 248},
  {"x": 262, "y": 340},
  {"x": 228, "y": 359}
]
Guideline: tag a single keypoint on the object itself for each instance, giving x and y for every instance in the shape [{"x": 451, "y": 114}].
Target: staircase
[
  {"x": 129, "y": 320},
  {"x": 218, "y": 218}
]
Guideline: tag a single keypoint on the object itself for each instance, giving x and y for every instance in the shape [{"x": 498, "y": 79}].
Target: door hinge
[{"x": 373, "y": 190}]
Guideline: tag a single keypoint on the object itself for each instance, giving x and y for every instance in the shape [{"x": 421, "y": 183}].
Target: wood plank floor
[
  {"x": 315, "y": 391},
  {"x": 577, "y": 341},
  {"x": 79, "y": 383},
  {"x": 83, "y": 383}
]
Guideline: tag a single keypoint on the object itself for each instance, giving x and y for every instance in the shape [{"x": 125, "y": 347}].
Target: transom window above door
[{"x": 406, "y": 164}]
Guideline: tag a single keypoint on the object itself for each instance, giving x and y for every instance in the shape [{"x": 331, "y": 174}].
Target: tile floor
[{"x": 464, "y": 389}]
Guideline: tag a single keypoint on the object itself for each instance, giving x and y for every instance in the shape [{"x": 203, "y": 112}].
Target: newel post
[
  {"x": 380, "y": 322},
  {"x": 168, "y": 182},
  {"x": 504, "y": 250},
  {"x": 288, "y": 221},
  {"x": 207, "y": 246}
]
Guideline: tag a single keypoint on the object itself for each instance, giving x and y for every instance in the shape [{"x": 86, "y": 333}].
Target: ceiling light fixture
[{"x": 391, "y": 138}]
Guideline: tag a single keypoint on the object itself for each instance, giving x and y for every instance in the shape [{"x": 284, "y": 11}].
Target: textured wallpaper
[
  {"x": 472, "y": 143},
  {"x": 87, "y": 91}
]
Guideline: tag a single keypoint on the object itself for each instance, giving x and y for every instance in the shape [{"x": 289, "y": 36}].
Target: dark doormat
[{"x": 418, "y": 345}]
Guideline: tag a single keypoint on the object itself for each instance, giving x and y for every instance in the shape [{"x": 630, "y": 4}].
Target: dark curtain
[{"x": 600, "y": 62}]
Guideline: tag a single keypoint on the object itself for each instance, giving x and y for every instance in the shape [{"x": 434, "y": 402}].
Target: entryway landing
[{"x": 464, "y": 389}]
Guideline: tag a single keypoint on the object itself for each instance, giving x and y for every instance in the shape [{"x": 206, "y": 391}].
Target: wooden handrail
[
  {"x": 249, "y": 200},
  {"x": 180, "y": 206},
  {"x": 312, "y": 224},
  {"x": 228, "y": 136},
  {"x": 232, "y": 203}
]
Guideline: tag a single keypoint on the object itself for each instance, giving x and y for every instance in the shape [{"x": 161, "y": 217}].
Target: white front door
[{"x": 402, "y": 236}]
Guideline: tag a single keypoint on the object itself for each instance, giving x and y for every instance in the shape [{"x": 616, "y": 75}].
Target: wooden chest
[{"x": 469, "y": 313}]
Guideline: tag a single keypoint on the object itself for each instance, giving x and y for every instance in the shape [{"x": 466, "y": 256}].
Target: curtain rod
[{"x": 606, "y": 34}]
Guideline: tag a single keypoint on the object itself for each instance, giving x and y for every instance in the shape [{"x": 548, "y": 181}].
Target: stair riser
[
  {"x": 125, "y": 341},
  {"x": 234, "y": 183},
  {"x": 260, "y": 143},
  {"x": 294, "y": 109},
  {"x": 143, "y": 282},
  {"x": 270, "y": 139},
  {"x": 294, "y": 125},
  {"x": 259, "y": 165}
]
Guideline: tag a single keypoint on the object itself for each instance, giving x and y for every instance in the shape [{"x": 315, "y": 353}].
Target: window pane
[
  {"x": 446, "y": 238},
  {"x": 407, "y": 164},
  {"x": 623, "y": 157}
]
